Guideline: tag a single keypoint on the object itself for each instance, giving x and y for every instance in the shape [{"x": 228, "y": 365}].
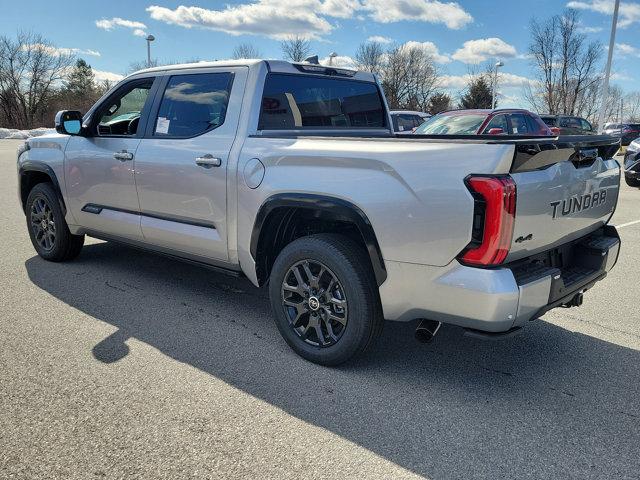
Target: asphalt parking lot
[{"x": 125, "y": 364}]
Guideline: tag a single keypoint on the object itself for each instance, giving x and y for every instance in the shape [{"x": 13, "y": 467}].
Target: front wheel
[
  {"x": 48, "y": 229},
  {"x": 325, "y": 299}
]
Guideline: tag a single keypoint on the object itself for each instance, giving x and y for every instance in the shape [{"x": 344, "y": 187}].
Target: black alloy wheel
[
  {"x": 48, "y": 229},
  {"x": 43, "y": 223},
  {"x": 315, "y": 303}
]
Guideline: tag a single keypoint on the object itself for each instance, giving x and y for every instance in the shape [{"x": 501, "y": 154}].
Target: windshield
[{"x": 452, "y": 125}]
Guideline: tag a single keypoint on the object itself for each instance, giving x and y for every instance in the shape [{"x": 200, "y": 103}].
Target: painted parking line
[{"x": 628, "y": 224}]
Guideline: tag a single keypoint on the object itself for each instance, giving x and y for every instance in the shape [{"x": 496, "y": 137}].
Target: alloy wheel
[
  {"x": 43, "y": 223},
  {"x": 315, "y": 303}
]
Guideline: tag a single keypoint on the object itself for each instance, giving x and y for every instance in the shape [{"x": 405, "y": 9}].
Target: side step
[{"x": 470, "y": 332}]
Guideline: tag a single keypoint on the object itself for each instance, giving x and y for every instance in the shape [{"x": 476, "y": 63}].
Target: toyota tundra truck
[{"x": 290, "y": 175}]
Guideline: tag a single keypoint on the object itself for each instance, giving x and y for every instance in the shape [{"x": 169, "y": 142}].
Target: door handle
[
  {"x": 123, "y": 156},
  {"x": 208, "y": 161}
]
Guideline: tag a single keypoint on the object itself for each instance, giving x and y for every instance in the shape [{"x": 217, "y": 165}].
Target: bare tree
[
  {"x": 409, "y": 77},
  {"x": 246, "y": 50},
  {"x": 30, "y": 70},
  {"x": 141, "y": 65},
  {"x": 370, "y": 57},
  {"x": 566, "y": 65},
  {"x": 295, "y": 49},
  {"x": 632, "y": 107}
]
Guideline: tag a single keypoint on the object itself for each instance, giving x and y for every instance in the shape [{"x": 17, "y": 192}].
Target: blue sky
[{"x": 109, "y": 35}]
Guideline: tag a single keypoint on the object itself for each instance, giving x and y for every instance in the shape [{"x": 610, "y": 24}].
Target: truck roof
[{"x": 280, "y": 66}]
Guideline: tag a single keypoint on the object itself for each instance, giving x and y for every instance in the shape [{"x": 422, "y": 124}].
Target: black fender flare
[
  {"x": 35, "y": 166},
  {"x": 337, "y": 209}
]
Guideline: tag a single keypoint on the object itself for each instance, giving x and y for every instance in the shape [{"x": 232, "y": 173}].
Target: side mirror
[
  {"x": 495, "y": 131},
  {"x": 555, "y": 131},
  {"x": 68, "y": 122}
]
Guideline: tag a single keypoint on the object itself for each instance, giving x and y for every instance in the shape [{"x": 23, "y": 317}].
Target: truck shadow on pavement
[{"x": 548, "y": 403}]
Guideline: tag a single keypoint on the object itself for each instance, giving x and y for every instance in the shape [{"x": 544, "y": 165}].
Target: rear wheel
[
  {"x": 48, "y": 229},
  {"x": 325, "y": 299},
  {"x": 632, "y": 182}
]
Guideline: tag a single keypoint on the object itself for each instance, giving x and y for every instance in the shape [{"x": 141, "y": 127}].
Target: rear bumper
[{"x": 496, "y": 300}]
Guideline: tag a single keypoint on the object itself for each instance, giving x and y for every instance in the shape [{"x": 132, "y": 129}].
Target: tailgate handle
[{"x": 584, "y": 157}]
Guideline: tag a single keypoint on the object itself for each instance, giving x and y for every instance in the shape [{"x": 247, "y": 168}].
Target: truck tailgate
[{"x": 562, "y": 194}]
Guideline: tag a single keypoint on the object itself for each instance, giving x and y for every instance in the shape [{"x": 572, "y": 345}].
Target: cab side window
[
  {"x": 586, "y": 125},
  {"x": 405, "y": 123},
  {"x": 120, "y": 115},
  {"x": 519, "y": 124},
  {"x": 193, "y": 104},
  {"x": 499, "y": 121}
]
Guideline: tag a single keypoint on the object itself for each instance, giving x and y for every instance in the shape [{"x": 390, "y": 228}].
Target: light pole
[
  {"x": 495, "y": 84},
  {"x": 150, "y": 38},
  {"x": 332, "y": 55},
  {"x": 607, "y": 71}
]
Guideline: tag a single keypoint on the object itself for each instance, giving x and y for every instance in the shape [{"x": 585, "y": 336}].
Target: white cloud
[
  {"x": 340, "y": 61},
  {"x": 621, "y": 77},
  {"x": 624, "y": 49},
  {"x": 587, "y": 29},
  {"x": 102, "y": 75},
  {"x": 58, "y": 51},
  {"x": 109, "y": 24},
  {"x": 379, "y": 39},
  {"x": 280, "y": 19},
  {"x": 272, "y": 18},
  {"x": 476, "y": 51},
  {"x": 433, "y": 11},
  {"x": 507, "y": 80},
  {"x": 629, "y": 12},
  {"x": 430, "y": 49}
]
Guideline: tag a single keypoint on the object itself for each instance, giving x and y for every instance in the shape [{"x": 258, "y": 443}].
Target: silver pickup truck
[{"x": 290, "y": 175}]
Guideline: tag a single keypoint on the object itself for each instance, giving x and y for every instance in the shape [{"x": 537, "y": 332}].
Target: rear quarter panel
[{"x": 412, "y": 192}]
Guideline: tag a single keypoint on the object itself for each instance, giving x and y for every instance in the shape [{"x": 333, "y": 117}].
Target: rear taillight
[{"x": 493, "y": 220}]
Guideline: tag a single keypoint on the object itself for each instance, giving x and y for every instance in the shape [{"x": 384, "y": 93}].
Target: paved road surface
[{"x": 124, "y": 364}]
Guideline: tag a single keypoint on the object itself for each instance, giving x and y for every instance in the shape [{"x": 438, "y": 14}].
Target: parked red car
[{"x": 504, "y": 121}]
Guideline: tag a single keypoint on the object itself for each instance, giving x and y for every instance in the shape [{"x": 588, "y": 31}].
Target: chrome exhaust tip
[{"x": 426, "y": 330}]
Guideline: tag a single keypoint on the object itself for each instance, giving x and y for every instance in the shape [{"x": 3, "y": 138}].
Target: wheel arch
[
  {"x": 32, "y": 173},
  {"x": 277, "y": 219}
]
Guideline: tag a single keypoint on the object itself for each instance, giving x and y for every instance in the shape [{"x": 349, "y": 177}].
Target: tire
[
  {"x": 348, "y": 314},
  {"x": 47, "y": 227},
  {"x": 632, "y": 182}
]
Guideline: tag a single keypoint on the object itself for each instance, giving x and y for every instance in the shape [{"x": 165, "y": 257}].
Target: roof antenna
[{"x": 313, "y": 59}]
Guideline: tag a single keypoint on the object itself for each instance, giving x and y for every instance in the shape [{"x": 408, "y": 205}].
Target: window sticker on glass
[{"x": 163, "y": 125}]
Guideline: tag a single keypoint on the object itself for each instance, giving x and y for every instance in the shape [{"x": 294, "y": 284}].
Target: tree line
[{"x": 37, "y": 79}]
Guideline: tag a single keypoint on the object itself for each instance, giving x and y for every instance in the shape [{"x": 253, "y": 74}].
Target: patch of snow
[{"x": 15, "y": 134}]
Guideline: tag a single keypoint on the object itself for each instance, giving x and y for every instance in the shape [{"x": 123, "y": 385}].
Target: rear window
[
  {"x": 452, "y": 125},
  {"x": 292, "y": 102},
  {"x": 550, "y": 121}
]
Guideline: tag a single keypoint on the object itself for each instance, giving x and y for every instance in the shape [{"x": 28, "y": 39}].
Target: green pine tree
[
  {"x": 478, "y": 94},
  {"x": 80, "y": 89}
]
